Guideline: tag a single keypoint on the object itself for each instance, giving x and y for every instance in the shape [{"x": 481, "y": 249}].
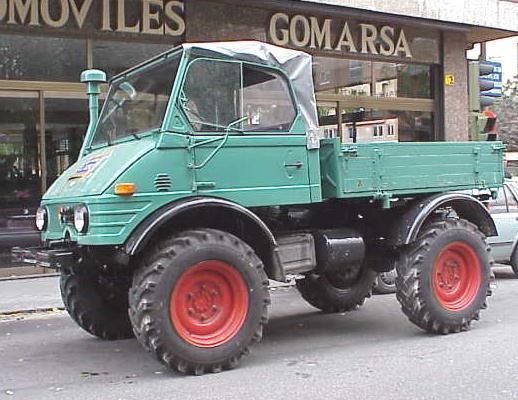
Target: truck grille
[{"x": 162, "y": 183}]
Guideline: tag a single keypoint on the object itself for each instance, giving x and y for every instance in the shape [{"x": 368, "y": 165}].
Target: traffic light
[
  {"x": 485, "y": 84},
  {"x": 485, "y": 87},
  {"x": 484, "y": 126}
]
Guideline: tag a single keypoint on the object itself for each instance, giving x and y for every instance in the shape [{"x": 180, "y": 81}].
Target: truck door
[{"x": 243, "y": 141}]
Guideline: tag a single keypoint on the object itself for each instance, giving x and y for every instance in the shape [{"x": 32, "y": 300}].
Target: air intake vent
[{"x": 162, "y": 183}]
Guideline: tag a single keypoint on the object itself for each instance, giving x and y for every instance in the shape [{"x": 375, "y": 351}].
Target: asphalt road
[{"x": 372, "y": 353}]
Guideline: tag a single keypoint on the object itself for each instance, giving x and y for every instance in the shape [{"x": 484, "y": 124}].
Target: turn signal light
[{"x": 125, "y": 189}]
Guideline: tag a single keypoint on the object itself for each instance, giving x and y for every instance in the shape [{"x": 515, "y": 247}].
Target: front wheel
[
  {"x": 97, "y": 302},
  {"x": 443, "y": 278},
  {"x": 199, "y": 301}
]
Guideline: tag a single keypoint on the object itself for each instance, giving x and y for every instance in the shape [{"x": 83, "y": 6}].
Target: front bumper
[{"x": 55, "y": 258}]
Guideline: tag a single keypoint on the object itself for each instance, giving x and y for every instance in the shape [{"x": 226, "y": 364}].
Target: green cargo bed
[{"x": 405, "y": 168}]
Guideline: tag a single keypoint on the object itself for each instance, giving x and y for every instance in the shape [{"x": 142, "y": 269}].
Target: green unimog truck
[{"x": 204, "y": 176}]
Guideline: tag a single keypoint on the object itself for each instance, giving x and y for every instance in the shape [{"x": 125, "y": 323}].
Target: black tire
[
  {"x": 514, "y": 261},
  {"x": 419, "y": 282},
  {"x": 155, "y": 286},
  {"x": 326, "y": 292},
  {"x": 98, "y": 303},
  {"x": 385, "y": 283}
]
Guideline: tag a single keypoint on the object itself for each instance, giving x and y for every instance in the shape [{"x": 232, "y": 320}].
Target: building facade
[{"x": 384, "y": 63}]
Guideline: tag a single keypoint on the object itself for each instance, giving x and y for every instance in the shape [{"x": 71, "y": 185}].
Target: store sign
[
  {"x": 338, "y": 35},
  {"x": 152, "y": 17}
]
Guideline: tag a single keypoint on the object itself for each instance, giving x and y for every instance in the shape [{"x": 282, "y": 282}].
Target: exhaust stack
[{"x": 93, "y": 79}]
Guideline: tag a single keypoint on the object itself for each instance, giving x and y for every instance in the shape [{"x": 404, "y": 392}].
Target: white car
[{"x": 504, "y": 211}]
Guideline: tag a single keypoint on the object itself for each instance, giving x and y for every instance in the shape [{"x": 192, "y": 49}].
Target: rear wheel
[
  {"x": 337, "y": 291},
  {"x": 199, "y": 301},
  {"x": 97, "y": 302},
  {"x": 443, "y": 278}
]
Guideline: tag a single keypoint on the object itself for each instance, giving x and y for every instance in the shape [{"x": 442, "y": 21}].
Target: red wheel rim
[
  {"x": 209, "y": 303},
  {"x": 456, "y": 276}
]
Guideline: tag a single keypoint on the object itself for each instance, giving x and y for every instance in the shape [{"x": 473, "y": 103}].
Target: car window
[
  {"x": 211, "y": 98},
  {"x": 513, "y": 188},
  {"x": 512, "y": 204},
  {"x": 499, "y": 205},
  {"x": 218, "y": 94},
  {"x": 267, "y": 101}
]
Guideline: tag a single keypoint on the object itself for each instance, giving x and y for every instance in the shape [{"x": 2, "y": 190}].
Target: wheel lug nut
[
  {"x": 214, "y": 308},
  {"x": 190, "y": 295},
  {"x": 214, "y": 292},
  {"x": 203, "y": 317},
  {"x": 190, "y": 311},
  {"x": 441, "y": 284}
]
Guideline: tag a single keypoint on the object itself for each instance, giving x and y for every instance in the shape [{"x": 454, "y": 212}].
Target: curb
[
  {"x": 31, "y": 311},
  {"x": 35, "y": 276}
]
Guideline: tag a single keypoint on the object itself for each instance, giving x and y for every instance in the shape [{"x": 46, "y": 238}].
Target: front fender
[{"x": 166, "y": 214}]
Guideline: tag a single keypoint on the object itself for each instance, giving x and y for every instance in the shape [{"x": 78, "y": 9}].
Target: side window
[
  {"x": 267, "y": 100},
  {"x": 211, "y": 96},
  {"x": 512, "y": 204},
  {"x": 499, "y": 205},
  {"x": 217, "y": 93}
]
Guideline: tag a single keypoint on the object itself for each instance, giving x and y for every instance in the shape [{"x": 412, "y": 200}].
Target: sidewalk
[
  {"x": 42, "y": 293},
  {"x": 29, "y": 294}
]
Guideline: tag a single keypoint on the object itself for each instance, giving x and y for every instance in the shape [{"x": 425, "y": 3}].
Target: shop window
[
  {"x": 372, "y": 78},
  {"x": 20, "y": 186},
  {"x": 384, "y": 125},
  {"x": 66, "y": 121},
  {"x": 116, "y": 57},
  {"x": 41, "y": 58}
]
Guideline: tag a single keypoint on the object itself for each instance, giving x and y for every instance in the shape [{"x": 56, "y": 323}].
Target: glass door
[
  {"x": 66, "y": 121},
  {"x": 41, "y": 132},
  {"x": 20, "y": 172}
]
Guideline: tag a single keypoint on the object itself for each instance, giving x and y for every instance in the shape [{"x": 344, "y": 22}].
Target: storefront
[{"x": 377, "y": 76}]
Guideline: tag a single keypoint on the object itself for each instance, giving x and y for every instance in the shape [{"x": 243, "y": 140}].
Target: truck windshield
[{"x": 136, "y": 103}]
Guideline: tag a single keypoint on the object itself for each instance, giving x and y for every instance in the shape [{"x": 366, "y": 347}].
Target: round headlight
[
  {"x": 81, "y": 218},
  {"x": 41, "y": 218}
]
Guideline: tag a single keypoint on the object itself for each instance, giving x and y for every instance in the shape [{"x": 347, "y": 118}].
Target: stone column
[{"x": 456, "y": 96}]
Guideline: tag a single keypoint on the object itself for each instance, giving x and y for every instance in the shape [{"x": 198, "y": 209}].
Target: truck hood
[{"x": 96, "y": 172}]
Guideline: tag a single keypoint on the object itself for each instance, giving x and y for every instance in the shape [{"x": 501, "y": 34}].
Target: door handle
[{"x": 296, "y": 164}]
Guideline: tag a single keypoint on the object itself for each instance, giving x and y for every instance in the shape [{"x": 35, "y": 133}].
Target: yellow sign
[{"x": 449, "y": 79}]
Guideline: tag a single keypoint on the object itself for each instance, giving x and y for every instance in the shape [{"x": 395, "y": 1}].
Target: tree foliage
[{"x": 507, "y": 112}]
